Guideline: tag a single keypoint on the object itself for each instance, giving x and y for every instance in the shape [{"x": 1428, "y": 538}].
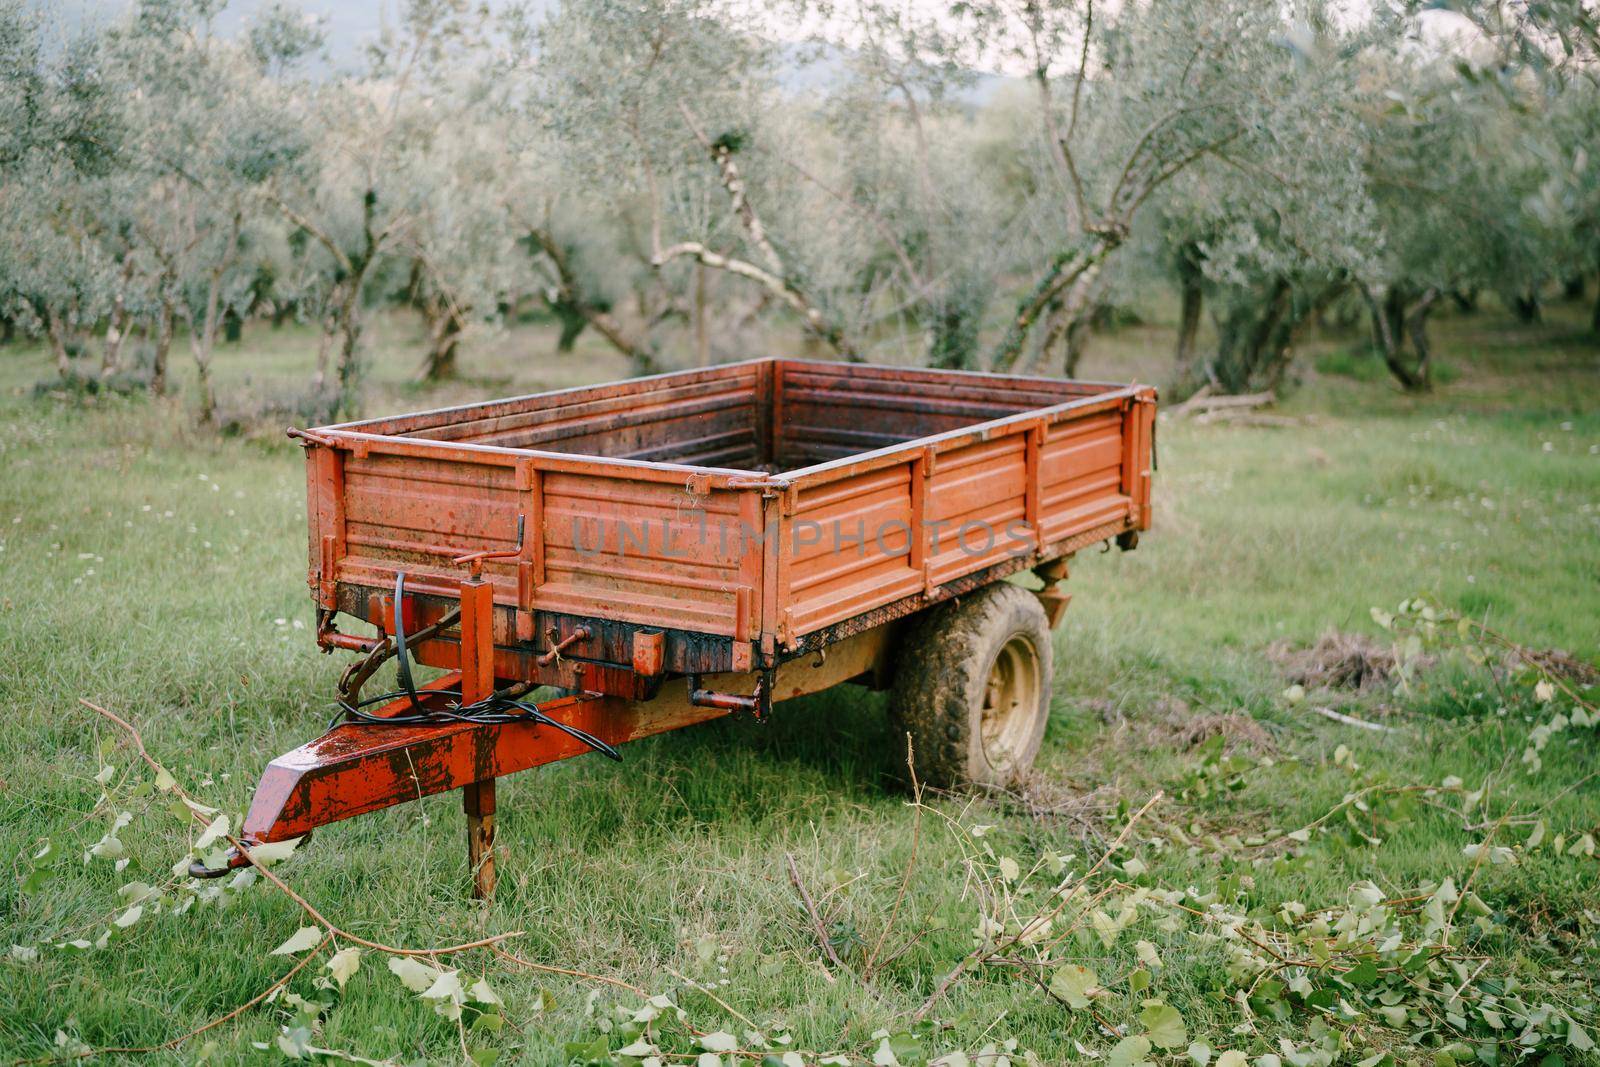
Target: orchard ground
[{"x": 159, "y": 571}]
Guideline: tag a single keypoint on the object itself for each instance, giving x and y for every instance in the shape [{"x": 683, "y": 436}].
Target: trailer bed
[{"x": 748, "y": 513}]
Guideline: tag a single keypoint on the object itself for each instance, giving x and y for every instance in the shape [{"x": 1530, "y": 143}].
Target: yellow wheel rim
[{"x": 1010, "y": 701}]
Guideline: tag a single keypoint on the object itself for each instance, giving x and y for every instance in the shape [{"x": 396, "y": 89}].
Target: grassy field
[{"x": 159, "y": 571}]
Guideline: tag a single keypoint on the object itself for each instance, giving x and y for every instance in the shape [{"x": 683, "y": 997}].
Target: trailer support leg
[
  {"x": 1052, "y": 597},
  {"x": 477, "y": 683},
  {"x": 477, "y": 800}
]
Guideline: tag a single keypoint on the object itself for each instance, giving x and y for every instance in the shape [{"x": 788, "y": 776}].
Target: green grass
[{"x": 160, "y": 571}]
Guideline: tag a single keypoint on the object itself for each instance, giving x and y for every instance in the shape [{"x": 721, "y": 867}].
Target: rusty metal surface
[
  {"x": 357, "y": 768},
  {"x": 604, "y": 659},
  {"x": 888, "y": 613},
  {"x": 837, "y": 410},
  {"x": 625, "y": 515}
]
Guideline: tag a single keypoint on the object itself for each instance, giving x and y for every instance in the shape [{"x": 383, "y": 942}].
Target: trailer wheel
[{"x": 972, "y": 688}]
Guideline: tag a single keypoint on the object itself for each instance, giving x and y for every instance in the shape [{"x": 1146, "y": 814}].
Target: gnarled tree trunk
[
  {"x": 1397, "y": 316},
  {"x": 1244, "y": 333},
  {"x": 1069, "y": 325},
  {"x": 573, "y": 322},
  {"x": 165, "y": 314},
  {"x": 203, "y": 333},
  {"x": 446, "y": 324},
  {"x": 1256, "y": 340},
  {"x": 349, "y": 351},
  {"x": 1064, "y": 270},
  {"x": 1526, "y": 306},
  {"x": 1594, "y": 321},
  {"x": 953, "y": 321},
  {"x": 1078, "y": 333},
  {"x": 57, "y": 329},
  {"x": 117, "y": 324},
  {"x": 566, "y": 297},
  {"x": 1192, "y": 303}
]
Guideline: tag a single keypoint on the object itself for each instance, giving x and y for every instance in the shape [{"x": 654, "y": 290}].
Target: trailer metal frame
[{"x": 689, "y": 626}]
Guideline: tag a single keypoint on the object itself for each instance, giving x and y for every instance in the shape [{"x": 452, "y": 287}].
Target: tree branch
[
  {"x": 313, "y": 229},
  {"x": 1173, "y": 168},
  {"x": 1063, "y": 270},
  {"x": 814, "y": 320},
  {"x": 568, "y": 290},
  {"x": 267, "y": 873},
  {"x": 1072, "y": 119},
  {"x": 1144, "y": 139},
  {"x": 774, "y": 278},
  {"x": 918, "y": 284}
]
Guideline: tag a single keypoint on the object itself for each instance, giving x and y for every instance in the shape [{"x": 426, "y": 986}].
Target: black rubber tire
[{"x": 942, "y": 674}]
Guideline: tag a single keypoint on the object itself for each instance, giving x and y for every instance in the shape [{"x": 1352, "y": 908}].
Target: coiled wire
[{"x": 498, "y": 708}]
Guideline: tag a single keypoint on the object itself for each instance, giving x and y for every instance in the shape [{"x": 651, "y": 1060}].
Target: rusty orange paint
[
  {"x": 766, "y": 445},
  {"x": 358, "y": 768},
  {"x": 517, "y": 511}
]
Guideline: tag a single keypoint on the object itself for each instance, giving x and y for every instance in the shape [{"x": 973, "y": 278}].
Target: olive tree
[
  {"x": 670, "y": 107},
  {"x": 137, "y": 160},
  {"x": 364, "y": 195},
  {"x": 1126, "y": 100},
  {"x": 1268, "y": 240},
  {"x": 58, "y": 145},
  {"x": 465, "y": 262},
  {"x": 1547, "y": 75},
  {"x": 202, "y": 137},
  {"x": 909, "y": 167},
  {"x": 1447, "y": 193}
]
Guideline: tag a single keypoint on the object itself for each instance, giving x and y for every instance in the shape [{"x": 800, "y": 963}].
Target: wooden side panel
[
  {"x": 416, "y": 515},
  {"x": 831, "y": 411},
  {"x": 594, "y": 545},
  {"x": 977, "y": 507},
  {"x": 1080, "y": 474},
  {"x": 709, "y": 418},
  {"x": 648, "y": 553},
  {"x": 848, "y": 548},
  {"x": 971, "y": 502}
]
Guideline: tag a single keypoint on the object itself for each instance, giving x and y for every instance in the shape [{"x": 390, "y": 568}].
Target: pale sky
[{"x": 351, "y": 25}]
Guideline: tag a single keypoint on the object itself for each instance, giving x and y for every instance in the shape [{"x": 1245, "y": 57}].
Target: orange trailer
[{"x": 674, "y": 548}]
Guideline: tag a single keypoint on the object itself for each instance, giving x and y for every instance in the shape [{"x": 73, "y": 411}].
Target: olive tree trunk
[
  {"x": 1526, "y": 306},
  {"x": 1594, "y": 320},
  {"x": 203, "y": 332},
  {"x": 446, "y": 323},
  {"x": 573, "y": 322},
  {"x": 1193, "y": 303},
  {"x": 165, "y": 314},
  {"x": 117, "y": 324},
  {"x": 57, "y": 329},
  {"x": 1256, "y": 339},
  {"x": 1399, "y": 316},
  {"x": 1065, "y": 270}
]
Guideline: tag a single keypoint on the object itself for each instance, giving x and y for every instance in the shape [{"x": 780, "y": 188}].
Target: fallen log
[{"x": 1205, "y": 401}]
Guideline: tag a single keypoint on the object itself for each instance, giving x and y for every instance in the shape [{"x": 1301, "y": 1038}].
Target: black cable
[
  {"x": 491, "y": 711},
  {"x": 486, "y": 712},
  {"x": 402, "y": 662}
]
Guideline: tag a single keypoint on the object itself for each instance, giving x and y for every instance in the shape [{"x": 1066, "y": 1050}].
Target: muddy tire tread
[{"x": 943, "y": 663}]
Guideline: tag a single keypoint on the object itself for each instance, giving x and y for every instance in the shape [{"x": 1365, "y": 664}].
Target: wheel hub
[{"x": 1010, "y": 700}]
